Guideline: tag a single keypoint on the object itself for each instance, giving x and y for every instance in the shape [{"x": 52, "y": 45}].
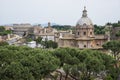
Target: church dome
[{"x": 84, "y": 19}]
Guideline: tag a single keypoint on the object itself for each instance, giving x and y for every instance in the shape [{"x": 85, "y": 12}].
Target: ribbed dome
[{"x": 84, "y": 19}]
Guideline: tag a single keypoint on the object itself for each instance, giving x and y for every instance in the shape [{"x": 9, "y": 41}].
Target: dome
[{"x": 84, "y": 19}]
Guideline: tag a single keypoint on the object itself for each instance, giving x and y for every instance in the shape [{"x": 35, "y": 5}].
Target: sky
[{"x": 66, "y": 12}]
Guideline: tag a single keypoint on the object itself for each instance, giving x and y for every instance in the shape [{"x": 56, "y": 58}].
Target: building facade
[
  {"x": 84, "y": 36},
  {"x": 22, "y": 29},
  {"x": 47, "y": 33}
]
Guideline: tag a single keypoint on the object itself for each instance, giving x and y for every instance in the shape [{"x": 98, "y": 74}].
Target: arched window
[
  {"x": 90, "y": 33},
  {"x": 84, "y": 46},
  {"x": 98, "y": 44},
  {"x": 84, "y": 33}
]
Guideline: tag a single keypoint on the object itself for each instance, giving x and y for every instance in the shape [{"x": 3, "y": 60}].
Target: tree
[
  {"x": 3, "y": 43},
  {"x": 38, "y": 40},
  {"x": 83, "y": 64},
  {"x": 117, "y": 24},
  {"x": 99, "y": 29},
  {"x": 49, "y": 44},
  {"x": 24, "y": 63},
  {"x": 67, "y": 68},
  {"x": 29, "y": 39},
  {"x": 91, "y": 64},
  {"x": 62, "y": 27},
  {"x": 67, "y": 59},
  {"x": 3, "y": 31},
  {"x": 117, "y": 34},
  {"x": 114, "y": 47},
  {"x": 2, "y": 28}
]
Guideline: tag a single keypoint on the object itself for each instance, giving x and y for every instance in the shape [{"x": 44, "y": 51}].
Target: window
[
  {"x": 91, "y": 45},
  {"x": 90, "y": 33},
  {"x": 84, "y": 46},
  {"x": 84, "y": 33},
  {"x": 97, "y": 44},
  {"x": 78, "y": 33}
]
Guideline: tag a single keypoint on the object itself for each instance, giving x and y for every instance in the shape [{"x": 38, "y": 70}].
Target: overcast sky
[{"x": 58, "y": 11}]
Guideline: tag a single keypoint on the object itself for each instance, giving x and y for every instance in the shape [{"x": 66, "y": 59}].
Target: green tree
[
  {"x": 3, "y": 43},
  {"x": 62, "y": 27},
  {"x": 83, "y": 65},
  {"x": 118, "y": 34},
  {"x": 99, "y": 29},
  {"x": 114, "y": 47},
  {"x": 3, "y": 31},
  {"x": 38, "y": 40},
  {"x": 2, "y": 28},
  {"x": 24, "y": 63},
  {"x": 49, "y": 44}
]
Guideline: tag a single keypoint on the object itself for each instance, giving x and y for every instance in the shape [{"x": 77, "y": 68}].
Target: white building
[{"x": 31, "y": 44}]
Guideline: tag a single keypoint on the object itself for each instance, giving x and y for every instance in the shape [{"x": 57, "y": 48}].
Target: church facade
[{"x": 84, "y": 36}]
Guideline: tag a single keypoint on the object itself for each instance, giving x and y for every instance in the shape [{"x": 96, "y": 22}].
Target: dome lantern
[
  {"x": 84, "y": 19},
  {"x": 84, "y": 12}
]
